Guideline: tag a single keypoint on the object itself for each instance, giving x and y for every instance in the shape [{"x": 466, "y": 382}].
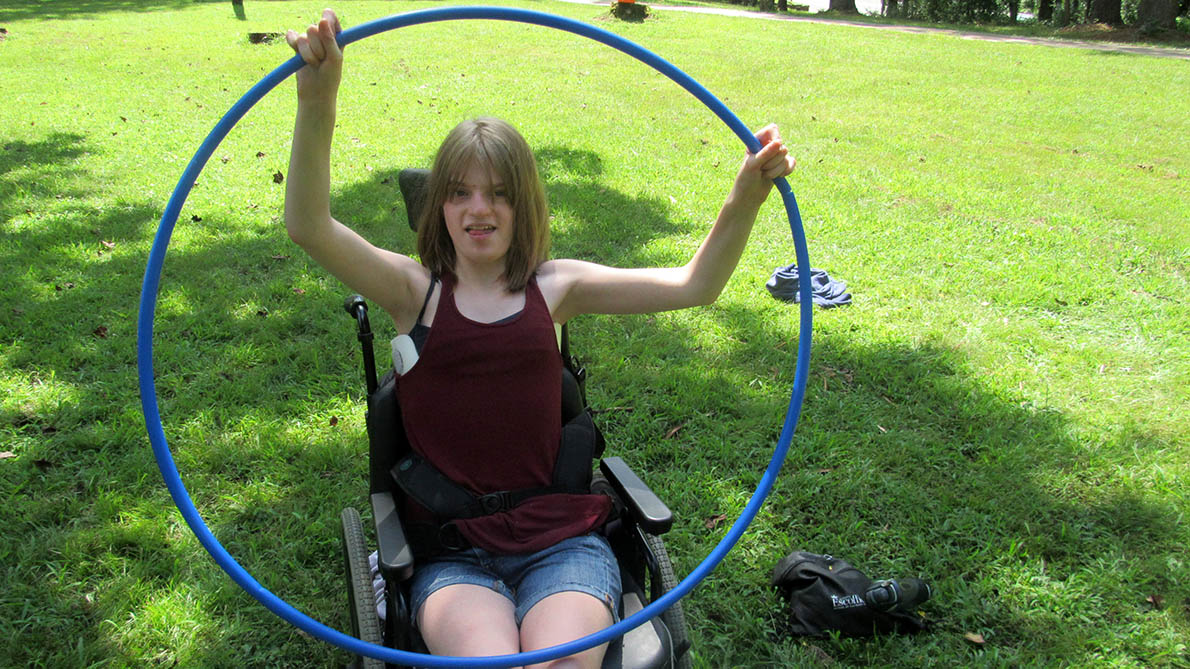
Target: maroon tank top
[{"x": 483, "y": 405}]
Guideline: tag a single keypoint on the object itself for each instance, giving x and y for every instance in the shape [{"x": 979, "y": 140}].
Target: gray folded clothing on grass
[{"x": 826, "y": 292}]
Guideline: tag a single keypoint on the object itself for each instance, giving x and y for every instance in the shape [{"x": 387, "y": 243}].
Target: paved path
[{"x": 1156, "y": 51}]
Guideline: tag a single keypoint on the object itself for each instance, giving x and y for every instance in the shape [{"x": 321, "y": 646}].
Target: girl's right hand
[{"x": 319, "y": 79}]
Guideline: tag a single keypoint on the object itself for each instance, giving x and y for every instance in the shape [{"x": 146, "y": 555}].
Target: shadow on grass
[
  {"x": 904, "y": 462},
  {"x": 54, "y": 150},
  {"x": 91, "y": 534},
  {"x": 906, "y": 465},
  {"x": 248, "y": 332},
  {"x": 17, "y": 10}
]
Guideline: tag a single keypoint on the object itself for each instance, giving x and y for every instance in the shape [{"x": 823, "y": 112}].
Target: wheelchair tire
[
  {"x": 365, "y": 624},
  {"x": 673, "y": 617}
]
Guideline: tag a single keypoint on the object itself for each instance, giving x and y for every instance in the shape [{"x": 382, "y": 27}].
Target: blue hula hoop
[{"x": 151, "y": 287}]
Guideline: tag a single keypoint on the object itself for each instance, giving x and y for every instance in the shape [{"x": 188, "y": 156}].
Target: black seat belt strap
[{"x": 447, "y": 500}]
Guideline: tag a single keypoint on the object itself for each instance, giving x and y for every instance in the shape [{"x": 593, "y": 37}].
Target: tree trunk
[
  {"x": 1045, "y": 10},
  {"x": 783, "y": 5},
  {"x": 1014, "y": 8},
  {"x": 1106, "y": 11},
  {"x": 843, "y": 6},
  {"x": 1068, "y": 13},
  {"x": 1156, "y": 14}
]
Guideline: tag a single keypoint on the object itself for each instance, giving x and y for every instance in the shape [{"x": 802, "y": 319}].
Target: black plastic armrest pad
[
  {"x": 650, "y": 512},
  {"x": 396, "y": 557}
]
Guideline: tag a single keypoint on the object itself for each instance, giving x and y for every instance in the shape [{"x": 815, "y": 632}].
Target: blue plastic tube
[{"x": 151, "y": 287}]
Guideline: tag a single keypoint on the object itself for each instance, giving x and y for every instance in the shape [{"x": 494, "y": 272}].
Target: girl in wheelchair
[{"x": 478, "y": 386}]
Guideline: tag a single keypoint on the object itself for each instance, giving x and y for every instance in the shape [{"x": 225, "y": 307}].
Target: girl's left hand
[{"x": 773, "y": 159}]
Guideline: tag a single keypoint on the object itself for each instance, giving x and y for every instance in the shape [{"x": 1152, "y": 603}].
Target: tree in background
[
  {"x": 1106, "y": 12},
  {"x": 1066, "y": 12},
  {"x": 1149, "y": 16},
  {"x": 1156, "y": 15}
]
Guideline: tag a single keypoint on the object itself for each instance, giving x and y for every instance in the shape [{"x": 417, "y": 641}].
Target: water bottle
[{"x": 891, "y": 595}]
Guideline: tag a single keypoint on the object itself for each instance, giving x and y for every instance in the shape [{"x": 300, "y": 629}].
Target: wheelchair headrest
[{"x": 413, "y": 182}]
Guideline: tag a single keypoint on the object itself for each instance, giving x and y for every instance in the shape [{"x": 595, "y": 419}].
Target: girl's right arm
[{"x": 394, "y": 281}]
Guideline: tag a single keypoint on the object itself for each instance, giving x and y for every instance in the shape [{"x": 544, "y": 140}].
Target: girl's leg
[
  {"x": 468, "y": 620},
  {"x": 563, "y": 617}
]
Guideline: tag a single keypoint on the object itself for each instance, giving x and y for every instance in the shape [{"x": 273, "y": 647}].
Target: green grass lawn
[{"x": 1002, "y": 410}]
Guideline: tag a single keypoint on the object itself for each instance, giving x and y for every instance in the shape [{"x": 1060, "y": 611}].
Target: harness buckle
[{"x": 495, "y": 502}]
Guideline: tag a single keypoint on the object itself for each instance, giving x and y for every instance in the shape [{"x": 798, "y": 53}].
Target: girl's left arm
[{"x": 575, "y": 287}]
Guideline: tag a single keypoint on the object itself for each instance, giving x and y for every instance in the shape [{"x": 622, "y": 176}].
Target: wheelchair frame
[{"x": 634, "y": 535}]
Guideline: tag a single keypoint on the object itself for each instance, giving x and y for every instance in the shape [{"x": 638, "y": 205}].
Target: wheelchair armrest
[
  {"x": 396, "y": 557},
  {"x": 643, "y": 504}
]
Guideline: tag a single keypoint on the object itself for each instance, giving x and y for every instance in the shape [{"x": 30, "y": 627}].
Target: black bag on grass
[{"x": 828, "y": 594}]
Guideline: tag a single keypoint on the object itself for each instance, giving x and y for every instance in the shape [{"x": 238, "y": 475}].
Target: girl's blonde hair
[{"x": 497, "y": 146}]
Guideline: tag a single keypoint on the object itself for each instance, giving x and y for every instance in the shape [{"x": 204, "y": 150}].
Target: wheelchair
[{"x": 634, "y": 532}]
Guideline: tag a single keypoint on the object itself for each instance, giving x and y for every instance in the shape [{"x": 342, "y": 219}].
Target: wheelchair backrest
[{"x": 387, "y": 442}]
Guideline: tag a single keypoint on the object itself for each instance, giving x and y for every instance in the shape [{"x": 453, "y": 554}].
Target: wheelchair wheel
[
  {"x": 365, "y": 624},
  {"x": 674, "y": 618}
]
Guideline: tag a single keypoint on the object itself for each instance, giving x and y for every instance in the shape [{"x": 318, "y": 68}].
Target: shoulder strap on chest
[{"x": 425, "y": 302}]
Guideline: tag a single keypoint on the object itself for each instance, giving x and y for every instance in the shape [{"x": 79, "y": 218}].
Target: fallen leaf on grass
[
  {"x": 1157, "y": 601},
  {"x": 840, "y": 372},
  {"x": 714, "y": 520},
  {"x": 278, "y": 177},
  {"x": 107, "y": 244},
  {"x": 974, "y": 637},
  {"x": 334, "y": 421},
  {"x": 824, "y": 659},
  {"x": 673, "y": 431},
  {"x": 100, "y": 332},
  {"x": 299, "y": 291},
  {"x": 7, "y": 454}
]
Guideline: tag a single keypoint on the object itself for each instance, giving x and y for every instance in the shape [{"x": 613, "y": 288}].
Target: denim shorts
[{"x": 579, "y": 564}]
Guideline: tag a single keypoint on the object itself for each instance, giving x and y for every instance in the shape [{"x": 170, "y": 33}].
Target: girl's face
[{"x": 479, "y": 217}]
